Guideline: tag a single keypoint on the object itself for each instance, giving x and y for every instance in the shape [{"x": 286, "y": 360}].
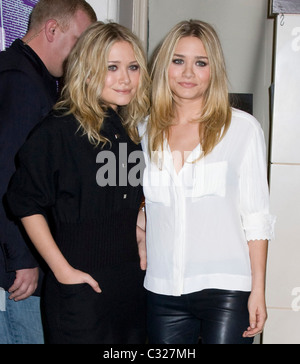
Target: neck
[
  {"x": 32, "y": 35},
  {"x": 35, "y": 40},
  {"x": 187, "y": 111}
]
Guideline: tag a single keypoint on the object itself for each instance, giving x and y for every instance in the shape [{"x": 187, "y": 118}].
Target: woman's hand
[
  {"x": 74, "y": 276},
  {"x": 141, "y": 238},
  {"x": 141, "y": 241},
  {"x": 257, "y": 315},
  {"x": 39, "y": 232},
  {"x": 258, "y": 250}
]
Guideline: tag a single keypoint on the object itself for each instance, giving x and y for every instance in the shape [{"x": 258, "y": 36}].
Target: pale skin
[
  {"x": 120, "y": 87},
  {"x": 189, "y": 77},
  {"x": 25, "y": 284},
  {"x": 53, "y": 45},
  {"x": 258, "y": 251},
  {"x": 141, "y": 239}
]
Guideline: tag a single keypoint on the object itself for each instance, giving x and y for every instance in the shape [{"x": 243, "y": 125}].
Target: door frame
[{"x": 140, "y": 21}]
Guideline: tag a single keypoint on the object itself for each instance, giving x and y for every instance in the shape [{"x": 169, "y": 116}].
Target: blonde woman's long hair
[
  {"x": 86, "y": 72},
  {"x": 216, "y": 112}
]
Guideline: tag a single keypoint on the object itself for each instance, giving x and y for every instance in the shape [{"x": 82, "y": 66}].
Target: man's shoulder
[{"x": 14, "y": 60}]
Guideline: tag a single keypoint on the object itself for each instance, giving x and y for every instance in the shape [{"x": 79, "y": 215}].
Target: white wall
[
  {"x": 126, "y": 13},
  {"x": 246, "y": 34},
  {"x": 283, "y": 273},
  {"x": 131, "y": 13},
  {"x": 106, "y": 9}
]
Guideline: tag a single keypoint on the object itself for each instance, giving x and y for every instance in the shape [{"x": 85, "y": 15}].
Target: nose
[
  {"x": 188, "y": 71},
  {"x": 125, "y": 78}
]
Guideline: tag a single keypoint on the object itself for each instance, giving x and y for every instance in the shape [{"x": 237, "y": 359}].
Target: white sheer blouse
[{"x": 200, "y": 220}]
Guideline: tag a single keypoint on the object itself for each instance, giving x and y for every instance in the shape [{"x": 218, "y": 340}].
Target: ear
[{"x": 50, "y": 29}]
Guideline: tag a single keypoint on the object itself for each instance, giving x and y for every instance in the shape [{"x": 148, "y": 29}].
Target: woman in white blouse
[{"x": 207, "y": 200}]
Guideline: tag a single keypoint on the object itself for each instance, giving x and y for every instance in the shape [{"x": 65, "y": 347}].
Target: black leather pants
[{"x": 211, "y": 316}]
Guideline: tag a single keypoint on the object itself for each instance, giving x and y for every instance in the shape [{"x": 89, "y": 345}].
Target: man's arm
[{"x": 19, "y": 113}]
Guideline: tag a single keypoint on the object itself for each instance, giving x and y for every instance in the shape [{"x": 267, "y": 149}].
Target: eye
[
  {"x": 112, "y": 68},
  {"x": 178, "y": 61},
  {"x": 201, "y": 64},
  {"x": 134, "y": 67}
]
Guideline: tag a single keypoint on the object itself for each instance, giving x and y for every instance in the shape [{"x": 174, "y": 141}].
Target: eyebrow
[
  {"x": 133, "y": 62},
  {"x": 183, "y": 56}
]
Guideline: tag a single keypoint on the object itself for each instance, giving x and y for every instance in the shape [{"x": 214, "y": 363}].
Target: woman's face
[
  {"x": 189, "y": 72},
  {"x": 123, "y": 75}
]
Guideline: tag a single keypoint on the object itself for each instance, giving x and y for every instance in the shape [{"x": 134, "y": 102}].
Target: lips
[
  {"x": 123, "y": 92},
  {"x": 187, "y": 84}
]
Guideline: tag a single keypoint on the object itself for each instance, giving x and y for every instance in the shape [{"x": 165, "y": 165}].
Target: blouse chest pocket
[
  {"x": 156, "y": 184},
  {"x": 210, "y": 180}
]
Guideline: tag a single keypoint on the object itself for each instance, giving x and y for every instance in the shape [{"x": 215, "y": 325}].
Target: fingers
[
  {"x": 94, "y": 284},
  {"x": 252, "y": 332},
  {"x": 96, "y": 288},
  {"x": 21, "y": 291},
  {"x": 253, "y": 322},
  {"x": 142, "y": 248},
  {"x": 75, "y": 276},
  {"x": 143, "y": 264},
  {"x": 143, "y": 256},
  {"x": 24, "y": 285},
  {"x": 256, "y": 327}
]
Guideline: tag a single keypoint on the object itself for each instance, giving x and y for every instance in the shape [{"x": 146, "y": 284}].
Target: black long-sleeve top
[
  {"x": 61, "y": 176},
  {"x": 27, "y": 94}
]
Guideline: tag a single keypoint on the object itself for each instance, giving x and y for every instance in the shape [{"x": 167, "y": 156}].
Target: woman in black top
[{"x": 78, "y": 194}]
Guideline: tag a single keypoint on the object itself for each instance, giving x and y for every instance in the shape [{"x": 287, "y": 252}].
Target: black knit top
[{"x": 62, "y": 176}]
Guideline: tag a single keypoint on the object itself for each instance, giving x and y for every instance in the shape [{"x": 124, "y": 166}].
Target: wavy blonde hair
[
  {"x": 216, "y": 112},
  {"x": 86, "y": 72}
]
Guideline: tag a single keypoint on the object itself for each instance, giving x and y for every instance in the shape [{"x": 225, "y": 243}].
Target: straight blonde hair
[
  {"x": 216, "y": 113},
  {"x": 85, "y": 79}
]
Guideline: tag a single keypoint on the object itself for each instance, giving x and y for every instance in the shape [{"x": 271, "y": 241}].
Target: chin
[{"x": 123, "y": 102}]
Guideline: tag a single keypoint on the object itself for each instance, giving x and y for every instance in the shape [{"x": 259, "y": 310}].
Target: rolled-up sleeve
[
  {"x": 32, "y": 188},
  {"x": 257, "y": 221}
]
